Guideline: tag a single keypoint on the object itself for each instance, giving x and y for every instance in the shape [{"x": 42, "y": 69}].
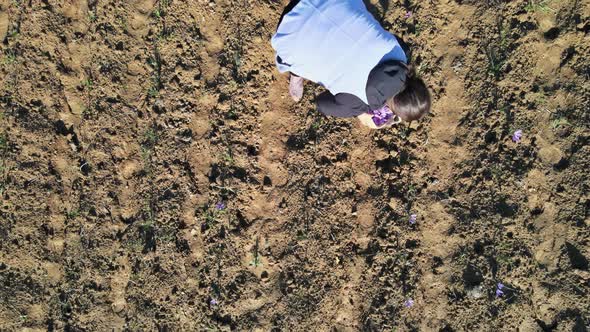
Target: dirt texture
[{"x": 156, "y": 175}]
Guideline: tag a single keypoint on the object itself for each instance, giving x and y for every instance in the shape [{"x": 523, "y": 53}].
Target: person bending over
[{"x": 365, "y": 69}]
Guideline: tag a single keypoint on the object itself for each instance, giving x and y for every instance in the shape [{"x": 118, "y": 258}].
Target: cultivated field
[{"x": 156, "y": 175}]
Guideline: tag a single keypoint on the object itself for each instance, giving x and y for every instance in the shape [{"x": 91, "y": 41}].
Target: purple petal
[
  {"x": 517, "y": 136},
  {"x": 499, "y": 291},
  {"x": 413, "y": 218},
  {"x": 408, "y": 303},
  {"x": 220, "y": 206},
  {"x": 214, "y": 302},
  {"x": 381, "y": 116}
]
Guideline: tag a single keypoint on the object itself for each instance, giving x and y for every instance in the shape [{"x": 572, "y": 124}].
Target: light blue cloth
[{"x": 335, "y": 43}]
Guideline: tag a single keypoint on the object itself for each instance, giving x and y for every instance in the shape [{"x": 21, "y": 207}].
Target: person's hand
[
  {"x": 366, "y": 120},
  {"x": 296, "y": 87}
]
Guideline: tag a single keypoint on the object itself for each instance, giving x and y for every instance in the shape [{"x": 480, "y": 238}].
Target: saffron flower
[
  {"x": 413, "y": 219},
  {"x": 220, "y": 206},
  {"x": 499, "y": 291},
  {"x": 408, "y": 14},
  {"x": 517, "y": 136},
  {"x": 381, "y": 116},
  {"x": 408, "y": 303}
]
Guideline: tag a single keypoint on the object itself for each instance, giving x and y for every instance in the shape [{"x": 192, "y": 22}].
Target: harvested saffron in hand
[{"x": 381, "y": 116}]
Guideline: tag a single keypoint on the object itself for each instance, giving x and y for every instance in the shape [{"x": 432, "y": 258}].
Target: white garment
[{"x": 335, "y": 43}]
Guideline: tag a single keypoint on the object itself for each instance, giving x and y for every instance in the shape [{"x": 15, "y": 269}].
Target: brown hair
[{"x": 413, "y": 102}]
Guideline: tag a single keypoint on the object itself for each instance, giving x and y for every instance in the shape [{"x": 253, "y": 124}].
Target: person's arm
[
  {"x": 342, "y": 105},
  {"x": 385, "y": 81}
]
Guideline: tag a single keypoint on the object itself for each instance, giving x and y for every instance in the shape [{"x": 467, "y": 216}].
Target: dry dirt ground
[{"x": 155, "y": 174}]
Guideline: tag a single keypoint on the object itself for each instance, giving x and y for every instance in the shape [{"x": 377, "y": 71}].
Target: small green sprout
[
  {"x": 3, "y": 142},
  {"x": 559, "y": 122},
  {"x": 88, "y": 84},
  {"x": 9, "y": 58},
  {"x": 92, "y": 16},
  {"x": 542, "y": 5},
  {"x": 153, "y": 92},
  {"x": 151, "y": 137},
  {"x": 72, "y": 214},
  {"x": 228, "y": 158},
  {"x": 256, "y": 261}
]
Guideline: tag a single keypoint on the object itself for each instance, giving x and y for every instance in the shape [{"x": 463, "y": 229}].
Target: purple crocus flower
[
  {"x": 408, "y": 14},
  {"x": 381, "y": 116},
  {"x": 517, "y": 136},
  {"x": 213, "y": 302},
  {"x": 220, "y": 206},
  {"x": 413, "y": 219},
  {"x": 408, "y": 303},
  {"x": 499, "y": 291}
]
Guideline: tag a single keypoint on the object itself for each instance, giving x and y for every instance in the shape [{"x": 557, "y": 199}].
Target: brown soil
[{"x": 125, "y": 122}]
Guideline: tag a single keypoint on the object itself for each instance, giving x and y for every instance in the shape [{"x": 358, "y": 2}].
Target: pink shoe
[{"x": 296, "y": 87}]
